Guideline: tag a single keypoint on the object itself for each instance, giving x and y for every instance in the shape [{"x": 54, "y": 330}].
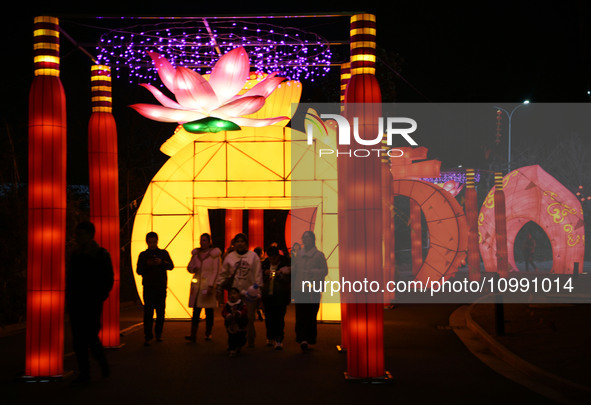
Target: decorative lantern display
[
  {"x": 500, "y": 226},
  {"x": 407, "y": 167},
  {"x": 345, "y": 77},
  {"x": 531, "y": 194},
  {"x": 413, "y": 164},
  {"x": 297, "y": 222},
  {"x": 360, "y": 219},
  {"x": 104, "y": 190},
  {"x": 257, "y": 164},
  {"x": 256, "y": 228},
  {"x": 46, "y": 207},
  {"x": 470, "y": 206},
  {"x": 446, "y": 224},
  {"x": 388, "y": 227},
  {"x": 233, "y": 225},
  {"x": 416, "y": 238}
]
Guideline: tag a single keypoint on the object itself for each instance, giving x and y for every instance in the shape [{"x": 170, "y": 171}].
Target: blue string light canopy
[{"x": 198, "y": 43}]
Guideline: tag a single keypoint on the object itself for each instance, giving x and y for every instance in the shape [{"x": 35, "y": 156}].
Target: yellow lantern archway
[{"x": 247, "y": 169}]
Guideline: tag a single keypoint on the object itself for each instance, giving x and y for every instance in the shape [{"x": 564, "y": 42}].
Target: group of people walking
[{"x": 240, "y": 281}]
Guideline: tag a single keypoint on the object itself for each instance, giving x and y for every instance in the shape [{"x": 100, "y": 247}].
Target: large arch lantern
[{"x": 531, "y": 194}]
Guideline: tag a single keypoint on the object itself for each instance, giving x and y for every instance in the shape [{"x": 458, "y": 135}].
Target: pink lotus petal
[
  {"x": 165, "y": 70},
  {"x": 253, "y": 122},
  {"x": 164, "y": 100},
  {"x": 192, "y": 91},
  {"x": 229, "y": 74},
  {"x": 241, "y": 106},
  {"x": 166, "y": 114},
  {"x": 265, "y": 87}
]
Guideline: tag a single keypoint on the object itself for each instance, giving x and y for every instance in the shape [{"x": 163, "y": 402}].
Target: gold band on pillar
[
  {"x": 470, "y": 183},
  {"x": 498, "y": 180},
  {"x": 102, "y": 100},
  {"x": 363, "y": 44},
  {"x": 46, "y": 47}
]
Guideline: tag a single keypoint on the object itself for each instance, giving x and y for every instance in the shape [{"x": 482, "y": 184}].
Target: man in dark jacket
[
  {"x": 88, "y": 282},
  {"x": 152, "y": 265},
  {"x": 276, "y": 294}
]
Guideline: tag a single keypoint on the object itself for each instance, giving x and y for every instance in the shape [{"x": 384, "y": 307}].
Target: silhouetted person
[
  {"x": 88, "y": 282},
  {"x": 235, "y": 315},
  {"x": 205, "y": 266},
  {"x": 309, "y": 264},
  {"x": 276, "y": 294},
  {"x": 529, "y": 247},
  {"x": 152, "y": 265}
]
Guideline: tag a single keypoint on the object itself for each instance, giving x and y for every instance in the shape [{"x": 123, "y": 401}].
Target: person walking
[
  {"x": 308, "y": 265},
  {"x": 205, "y": 266},
  {"x": 276, "y": 294},
  {"x": 235, "y": 314},
  {"x": 243, "y": 266},
  {"x": 89, "y": 280},
  {"x": 153, "y": 264}
]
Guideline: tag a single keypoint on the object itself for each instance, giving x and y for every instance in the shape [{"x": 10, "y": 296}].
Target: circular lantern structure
[{"x": 198, "y": 43}]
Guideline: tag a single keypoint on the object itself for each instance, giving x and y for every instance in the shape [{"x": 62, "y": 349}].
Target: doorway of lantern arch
[{"x": 214, "y": 165}]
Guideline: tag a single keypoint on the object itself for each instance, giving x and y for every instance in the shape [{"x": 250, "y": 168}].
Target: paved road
[{"x": 428, "y": 362}]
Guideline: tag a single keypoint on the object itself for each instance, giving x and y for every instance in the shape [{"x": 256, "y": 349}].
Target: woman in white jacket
[{"x": 205, "y": 264}]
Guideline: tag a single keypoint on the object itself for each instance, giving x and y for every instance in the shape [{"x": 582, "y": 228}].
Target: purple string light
[
  {"x": 295, "y": 54},
  {"x": 455, "y": 175}
]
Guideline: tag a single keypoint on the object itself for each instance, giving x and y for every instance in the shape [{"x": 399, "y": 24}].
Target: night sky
[{"x": 486, "y": 51}]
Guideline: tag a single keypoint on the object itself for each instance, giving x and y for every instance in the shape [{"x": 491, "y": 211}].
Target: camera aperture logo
[{"x": 388, "y": 127}]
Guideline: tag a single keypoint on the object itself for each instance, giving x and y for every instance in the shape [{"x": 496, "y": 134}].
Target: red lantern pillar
[
  {"x": 416, "y": 240},
  {"x": 104, "y": 190},
  {"x": 472, "y": 219},
  {"x": 501, "y": 227},
  {"x": 47, "y": 207},
  {"x": 256, "y": 228},
  {"x": 360, "y": 209},
  {"x": 345, "y": 77},
  {"x": 233, "y": 225}
]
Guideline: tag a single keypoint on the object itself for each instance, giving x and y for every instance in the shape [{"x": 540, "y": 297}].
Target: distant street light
[{"x": 510, "y": 115}]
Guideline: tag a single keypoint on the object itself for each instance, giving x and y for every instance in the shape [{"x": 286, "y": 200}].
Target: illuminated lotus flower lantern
[
  {"x": 226, "y": 153},
  {"x": 212, "y": 105},
  {"x": 452, "y": 187}
]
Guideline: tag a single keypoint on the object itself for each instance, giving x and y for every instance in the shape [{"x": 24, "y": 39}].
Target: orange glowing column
[
  {"x": 233, "y": 225},
  {"x": 501, "y": 227},
  {"x": 360, "y": 209},
  {"x": 345, "y": 77},
  {"x": 256, "y": 228},
  {"x": 104, "y": 189},
  {"x": 47, "y": 207},
  {"x": 472, "y": 219}
]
